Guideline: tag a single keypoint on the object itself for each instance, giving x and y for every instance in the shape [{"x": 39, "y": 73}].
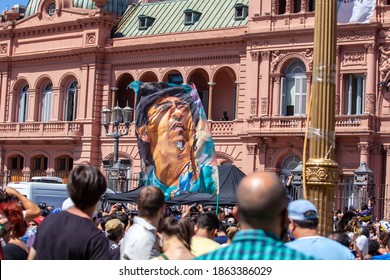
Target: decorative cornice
[
  {"x": 355, "y": 35},
  {"x": 179, "y": 59}
]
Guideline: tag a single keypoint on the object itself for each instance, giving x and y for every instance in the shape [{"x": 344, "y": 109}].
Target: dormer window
[
  {"x": 241, "y": 11},
  {"x": 144, "y": 22},
  {"x": 191, "y": 16}
]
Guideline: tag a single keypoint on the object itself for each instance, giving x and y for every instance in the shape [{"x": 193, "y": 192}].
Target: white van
[{"x": 50, "y": 193}]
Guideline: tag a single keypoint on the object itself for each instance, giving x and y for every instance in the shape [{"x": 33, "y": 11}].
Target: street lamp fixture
[
  {"x": 115, "y": 117},
  {"x": 363, "y": 180}
]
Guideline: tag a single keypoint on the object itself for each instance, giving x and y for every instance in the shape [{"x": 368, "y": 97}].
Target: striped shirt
[{"x": 255, "y": 244}]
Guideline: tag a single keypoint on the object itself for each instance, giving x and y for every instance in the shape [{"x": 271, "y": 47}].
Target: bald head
[{"x": 261, "y": 199}]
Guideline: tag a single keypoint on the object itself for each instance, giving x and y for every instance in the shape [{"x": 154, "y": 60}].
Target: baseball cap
[
  {"x": 113, "y": 225},
  {"x": 302, "y": 210},
  {"x": 39, "y": 220}
]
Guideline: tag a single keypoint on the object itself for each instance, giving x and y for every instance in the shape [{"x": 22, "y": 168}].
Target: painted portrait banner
[
  {"x": 175, "y": 145},
  {"x": 355, "y": 11}
]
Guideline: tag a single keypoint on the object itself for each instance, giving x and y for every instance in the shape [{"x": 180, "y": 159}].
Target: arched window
[
  {"x": 46, "y": 103},
  {"x": 23, "y": 104},
  {"x": 64, "y": 163},
  {"x": 16, "y": 162},
  {"x": 15, "y": 167},
  {"x": 71, "y": 102},
  {"x": 293, "y": 90},
  {"x": 39, "y": 165}
]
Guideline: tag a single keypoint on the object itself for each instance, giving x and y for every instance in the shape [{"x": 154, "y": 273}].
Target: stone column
[
  {"x": 386, "y": 206},
  {"x": 370, "y": 79},
  {"x": 250, "y": 164},
  {"x": 210, "y": 105},
  {"x": 3, "y": 96},
  {"x": 12, "y": 108},
  {"x": 364, "y": 149},
  {"x": 276, "y": 96},
  {"x": 339, "y": 84},
  {"x": 56, "y": 103},
  {"x": 82, "y": 94}
]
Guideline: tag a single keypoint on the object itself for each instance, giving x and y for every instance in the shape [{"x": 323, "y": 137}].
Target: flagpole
[{"x": 321, "y": 170}]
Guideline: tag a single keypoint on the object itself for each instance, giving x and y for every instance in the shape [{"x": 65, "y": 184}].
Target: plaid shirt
[{"x": 255, "y": 245}]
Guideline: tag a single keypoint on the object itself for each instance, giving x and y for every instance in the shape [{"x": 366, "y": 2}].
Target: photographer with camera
[
  {"x": 15, "y": 210},
  {"x": 30, "y": 209}
]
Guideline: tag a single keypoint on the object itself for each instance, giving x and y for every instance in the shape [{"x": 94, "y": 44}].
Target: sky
[{"x": 10, "y": 3}]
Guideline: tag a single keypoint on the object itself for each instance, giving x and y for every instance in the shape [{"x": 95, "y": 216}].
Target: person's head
[
  {"x": 123, "y": 217},
  {"x": 182, "y": 229},
  {"x": 168, "y": 114},
  {"x": 262, "y": 203},
  {"x": 104, "y": 220},
  {"x": 12, "y": 223},
  {"x": 343, "y": 222},
  {"x": 303, "y": 217},
  {"x": 114, "y": 229},
  {"x": 231, "y": 231},
  {"x": 35, "y": 222},
  {"x": 373, "y": 247},
  {"x": 341, "y": 237},
  {"x": 353, "y": 226},
  {"x": 86, "y": 186},
  {"x": 208, "y": 222},
  {"x": 151, "y": 202},
  {"x": 221, "y": 228}
]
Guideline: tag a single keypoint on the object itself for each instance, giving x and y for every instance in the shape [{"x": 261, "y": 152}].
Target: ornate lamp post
[
  {"x": 115, "y": 117},
  {"x": 363, "y": 180},
  {"x": 297, "y": 182}
]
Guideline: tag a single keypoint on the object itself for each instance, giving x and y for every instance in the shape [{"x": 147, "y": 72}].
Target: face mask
[
  {"x": 371, "y": 235},
  {"x": 3, "y": 231}
]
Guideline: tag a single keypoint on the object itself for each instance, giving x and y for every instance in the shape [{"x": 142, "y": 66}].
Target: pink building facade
[{"x": 251, "y": 58}]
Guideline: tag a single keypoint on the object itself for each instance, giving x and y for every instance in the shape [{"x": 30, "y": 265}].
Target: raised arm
[{"x": 31, "y": 210}]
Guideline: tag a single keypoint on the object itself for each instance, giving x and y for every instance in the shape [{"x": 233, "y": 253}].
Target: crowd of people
[{"x": 264, "y": 225}]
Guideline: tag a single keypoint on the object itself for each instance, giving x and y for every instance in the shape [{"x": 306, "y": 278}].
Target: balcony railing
[
  {"x": 287, "y": 124},
  {"x": 50, "y": 129},
  {"x": 274, "y": 124}
]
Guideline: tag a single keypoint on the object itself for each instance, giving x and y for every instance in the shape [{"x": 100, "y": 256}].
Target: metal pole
[
  {"x": 116, "y": 144},
  {"x": 322, "y": 172}
]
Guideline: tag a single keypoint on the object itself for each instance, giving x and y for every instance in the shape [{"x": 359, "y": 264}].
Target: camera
[
  {"x": 44, "y": 211},
  {"x": 194, "y": 208}
]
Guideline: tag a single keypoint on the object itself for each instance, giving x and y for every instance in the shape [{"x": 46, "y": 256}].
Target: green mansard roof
[
  {"x": 169, "y": 17},
  {"x": 114, "y": 6}
]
